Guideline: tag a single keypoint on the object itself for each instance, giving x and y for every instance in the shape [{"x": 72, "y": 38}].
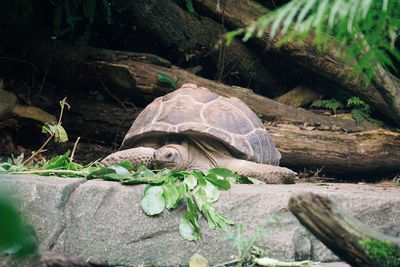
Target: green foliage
[
  {"x": 189, "y": 6},
  {"x": 165, "y": 189},
  {"x": 382, "y": 252},
  {"x": 16, "y": 237},
  {"x": 359, "y": 109},
  {"x": 13, "y": 165},
  {"x": 365, "y": 30},
  {"x": 165, "y": 78},
  {"x": 331, "y": 104}
]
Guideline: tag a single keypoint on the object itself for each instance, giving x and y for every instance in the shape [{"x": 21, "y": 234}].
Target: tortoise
[{"x": 193, "y": 128}]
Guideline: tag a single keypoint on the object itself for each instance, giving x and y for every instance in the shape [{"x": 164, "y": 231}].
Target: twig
[
  {"x": 49, "y": 171},
  {"x": 40, "y": 149},
  {"x": 74, "y": 148},
  {"x": 108, "y": 91},
  {"x": 48, "y": 67},
  {"x": 227, "y": 263}
]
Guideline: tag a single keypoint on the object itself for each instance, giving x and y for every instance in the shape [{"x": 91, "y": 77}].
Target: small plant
[
  {"x": 55, "y": 131},
  {"x": 360, "y": 110},
  {"x": 165, "y": 78},
  {"x": 331, "y": 104}
]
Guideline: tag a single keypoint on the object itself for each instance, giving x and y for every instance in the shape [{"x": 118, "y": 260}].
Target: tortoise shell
[{"x": 193, "y": 110}]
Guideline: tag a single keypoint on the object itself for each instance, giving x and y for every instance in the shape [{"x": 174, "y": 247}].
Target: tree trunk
[
  {"x": 328, "y": 65},
  {"x": 343, "y": 233}
]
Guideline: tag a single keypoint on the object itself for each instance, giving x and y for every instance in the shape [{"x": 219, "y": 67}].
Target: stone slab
[{"x": 103, "y": 220}]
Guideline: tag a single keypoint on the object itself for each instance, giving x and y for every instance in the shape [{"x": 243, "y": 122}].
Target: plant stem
[
  {"x": 40, "y": 149},
  {"x": 62, "y": 104},
  {"x": 74, "y": 148},
  {"x": 228, "y": 262},
  {"x": 48, "y": 171}
]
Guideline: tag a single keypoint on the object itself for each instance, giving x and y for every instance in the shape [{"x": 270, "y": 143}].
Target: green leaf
[
  {"x": 200, "y": 196},
  {"x": 230, "y": 36},
  {"x": 126, "y": 164},
  {"x": 211, "y": 191},
  {"x": 189, "y": 7},
  {"x": 60, "y": 135},
  {"x": 171, "y": 196},
  {"x": 186, "y": 228},
  {"x": 60, "y": 162},
  {"x": 143, "y": 171},
  {"x": 153, "y": 202},
  {"x": 215, "y": 218},
  {"x": 48, "y": 129},
  {"x": 218, "y": 181},
  {"x": 190, "y": 181},
  {"x": 164, "y": 78},
  {"x": 181, "y": 188},
  {"x": 120, "y": 170}
]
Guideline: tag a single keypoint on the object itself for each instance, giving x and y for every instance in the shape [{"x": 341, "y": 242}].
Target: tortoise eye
[{"x": 169, "y": 155}]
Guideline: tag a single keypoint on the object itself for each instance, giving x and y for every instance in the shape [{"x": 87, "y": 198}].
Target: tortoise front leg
[
  {"x": 137, "y": 156},
  {"x": 268, "y": 173}
]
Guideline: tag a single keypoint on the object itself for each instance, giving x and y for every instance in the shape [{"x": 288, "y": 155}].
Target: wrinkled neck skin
[{"x": 190, "y": 154}]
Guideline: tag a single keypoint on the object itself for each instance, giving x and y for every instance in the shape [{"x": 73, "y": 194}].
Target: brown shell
[{"x": 196, "y": 110}]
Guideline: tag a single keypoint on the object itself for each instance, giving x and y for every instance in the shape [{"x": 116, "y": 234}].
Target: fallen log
[
  {"x": 298, "y": 97},
  {"x": 188, "y": 37},
  {"x": 328, "y": 64},
  {"x": 350, "y": 239},
  {"x": 94, "y": 67},
  {"x": 365, "y": 154}
]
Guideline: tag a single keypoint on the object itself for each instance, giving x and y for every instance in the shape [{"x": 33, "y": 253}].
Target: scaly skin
[
  {"x": 137, "y": 156},
  {"x": 268, "y": 173}
]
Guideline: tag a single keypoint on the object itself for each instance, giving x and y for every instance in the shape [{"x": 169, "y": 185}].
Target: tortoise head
[{"x": 171, "y": 156}]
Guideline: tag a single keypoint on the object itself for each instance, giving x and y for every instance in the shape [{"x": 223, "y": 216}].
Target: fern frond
[
  {"x": 365, "y": 29},
  {"x": 359, "y": 115},
  {"x": 331, "y": 104}
]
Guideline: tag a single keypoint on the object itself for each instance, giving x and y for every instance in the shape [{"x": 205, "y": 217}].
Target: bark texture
[
  {"x": 298, "y": 97},
  {"x": 136, "y": 80},
  {"x": 328, "y": 65},
  {"x": 337, "y": 229},
  {"x": 189, "y": 37},
  {"x": 370, "y": 154}
]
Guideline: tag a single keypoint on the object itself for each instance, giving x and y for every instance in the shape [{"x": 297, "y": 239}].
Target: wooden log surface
[
  {"x": 338, "y": 230},
  {"x": 94, "y": 67},
  {"x": 298, "y": 96},
  {"x": 383, "y": 93},
  {"x": 373, "y": 153}
]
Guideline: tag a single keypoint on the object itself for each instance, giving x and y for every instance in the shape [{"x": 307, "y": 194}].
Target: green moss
[{"x": 383, "y": 252}]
